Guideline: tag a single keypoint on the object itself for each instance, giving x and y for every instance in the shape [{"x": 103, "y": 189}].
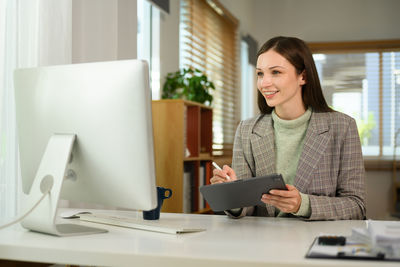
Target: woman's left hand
[{"x": 286, "y": 201}]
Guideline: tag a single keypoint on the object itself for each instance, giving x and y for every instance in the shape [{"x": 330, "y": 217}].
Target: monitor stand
[{"x": 50, "y": 175}]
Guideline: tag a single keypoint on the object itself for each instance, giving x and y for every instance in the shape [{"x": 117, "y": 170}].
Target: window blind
[{"x": 208, "y": 42}]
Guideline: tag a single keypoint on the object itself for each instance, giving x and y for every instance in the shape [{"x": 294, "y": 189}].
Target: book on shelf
[
  {"x": 194, "y": 177},
  {"x": 186, "y": 205},
  {"x": 202, "y": 178},
  {"x": 188, "y": 188}
]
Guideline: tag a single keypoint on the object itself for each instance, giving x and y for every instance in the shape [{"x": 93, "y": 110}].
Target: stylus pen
[{"x": 219, "y": 168}]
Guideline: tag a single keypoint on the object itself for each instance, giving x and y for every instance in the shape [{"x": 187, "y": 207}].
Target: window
[
  {"x": 208, "y": 42},
  {"x": 148, "y": 42},
  {"x": 366, "y": 86},
  {"x": 249, "y": 91},
  {"x": 246, "y": 98}
]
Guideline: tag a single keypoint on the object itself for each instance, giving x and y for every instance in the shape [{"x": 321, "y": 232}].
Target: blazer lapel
[
  {"x": 316, "y": 140},
  {"x": 263, "y": 146}
]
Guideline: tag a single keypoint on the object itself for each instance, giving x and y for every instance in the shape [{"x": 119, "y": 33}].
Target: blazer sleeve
[
  {"x": 241, "y": 168},
  {"x": 348, "y": 202}
]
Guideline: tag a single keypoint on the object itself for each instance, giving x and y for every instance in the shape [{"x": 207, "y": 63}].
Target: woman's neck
[{"x": 290, "y": 113}]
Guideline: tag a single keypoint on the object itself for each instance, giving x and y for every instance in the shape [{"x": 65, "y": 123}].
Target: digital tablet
[{"x": 240, "y": 193}]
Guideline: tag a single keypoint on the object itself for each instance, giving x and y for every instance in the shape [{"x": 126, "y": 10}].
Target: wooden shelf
[
  {"x": 198, "y": 158},
  {"x": 380, "y": 164},
  {"x": 179, "y": 127}
]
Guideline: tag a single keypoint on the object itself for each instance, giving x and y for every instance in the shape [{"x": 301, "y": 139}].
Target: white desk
[{"x": 250, "y": 241}]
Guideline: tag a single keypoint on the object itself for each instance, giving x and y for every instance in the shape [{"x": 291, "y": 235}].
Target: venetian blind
[{"x": 208, "y": 42}]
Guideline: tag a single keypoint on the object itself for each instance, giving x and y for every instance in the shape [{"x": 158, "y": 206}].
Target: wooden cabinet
[{"x": 183, "y": 152}]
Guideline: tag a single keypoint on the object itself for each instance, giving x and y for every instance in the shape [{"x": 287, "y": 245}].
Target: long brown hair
[{"x": 299, "y": 55}]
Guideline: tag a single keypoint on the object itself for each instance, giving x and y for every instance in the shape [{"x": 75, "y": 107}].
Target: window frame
[
  {"x": 372, "y": 163},
  {"x": 148, "y": 42},
  {"x": 248, "y": 96}
]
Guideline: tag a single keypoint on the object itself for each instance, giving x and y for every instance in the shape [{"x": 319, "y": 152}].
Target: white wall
[
  {"x": 328, "y": 20},
  {"x": 169, "y": 47},
  {"x": 94, "y": 30},
  {"x": 107, "y": 30},
  {"x": 244, "y": 11},
  {"x": 127, "y": 29},
  {"x": 103, "y": 30}
]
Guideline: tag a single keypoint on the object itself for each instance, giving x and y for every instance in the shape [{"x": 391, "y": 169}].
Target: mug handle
[{"x": 169, "y": 194}]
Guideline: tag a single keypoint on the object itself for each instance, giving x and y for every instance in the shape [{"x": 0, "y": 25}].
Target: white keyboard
[{"x": 136, "y": 223}]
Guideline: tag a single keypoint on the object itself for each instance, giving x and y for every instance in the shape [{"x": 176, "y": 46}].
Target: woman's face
[{"x": 279, "y": 83}]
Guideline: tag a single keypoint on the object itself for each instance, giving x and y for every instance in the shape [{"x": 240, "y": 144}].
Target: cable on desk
[{"x": 27, "y": 213}]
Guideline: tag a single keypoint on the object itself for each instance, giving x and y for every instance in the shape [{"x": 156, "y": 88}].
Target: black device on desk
[
  {"x": 241, "y": 193},
  {"x": 336, "y": 247},
  {"x": 330, "y": 240}
]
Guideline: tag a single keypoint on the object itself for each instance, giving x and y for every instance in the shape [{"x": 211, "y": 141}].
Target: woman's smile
[{"x": 270, "y": 94}]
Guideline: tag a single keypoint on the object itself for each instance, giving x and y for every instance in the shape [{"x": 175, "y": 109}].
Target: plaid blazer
[{"x": 330, "y": 169}]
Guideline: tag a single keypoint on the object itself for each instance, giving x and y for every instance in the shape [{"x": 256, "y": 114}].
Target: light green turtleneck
[{"x": 289, "y": 140}]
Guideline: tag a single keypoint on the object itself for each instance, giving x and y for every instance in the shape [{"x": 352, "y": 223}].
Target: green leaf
[{"x": 187, "y": 83}]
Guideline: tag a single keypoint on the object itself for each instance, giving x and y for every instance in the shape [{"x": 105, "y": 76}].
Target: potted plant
[{"x": 188, "y": 84}]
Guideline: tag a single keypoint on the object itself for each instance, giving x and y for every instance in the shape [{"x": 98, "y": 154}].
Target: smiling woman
[
  {"x": 317, "y": 150},
  {"x": 301, "y": 61}
]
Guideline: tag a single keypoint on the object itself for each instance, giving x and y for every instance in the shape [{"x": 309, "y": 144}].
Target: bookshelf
[{"x": 183, "y": 152}]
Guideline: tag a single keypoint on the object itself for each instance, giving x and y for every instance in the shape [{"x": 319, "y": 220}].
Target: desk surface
[{"x": 250, "y": 241}]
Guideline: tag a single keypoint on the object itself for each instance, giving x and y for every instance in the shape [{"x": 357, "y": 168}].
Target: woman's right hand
[{"x": 220, "y": 175}]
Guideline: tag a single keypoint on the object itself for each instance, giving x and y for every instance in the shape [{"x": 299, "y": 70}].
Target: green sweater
[{"x": 289, "y": 140}]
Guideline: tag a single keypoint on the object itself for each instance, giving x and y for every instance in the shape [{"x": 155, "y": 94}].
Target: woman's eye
[
  {"x": 259, "y": 74},
  {"x": 275, "y": 72}
]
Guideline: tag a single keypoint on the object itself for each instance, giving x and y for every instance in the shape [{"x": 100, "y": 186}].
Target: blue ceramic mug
[{"x": 154, "y": 214}]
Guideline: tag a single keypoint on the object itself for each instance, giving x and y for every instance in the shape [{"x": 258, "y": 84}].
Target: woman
[{"x": 317, "y": 150}]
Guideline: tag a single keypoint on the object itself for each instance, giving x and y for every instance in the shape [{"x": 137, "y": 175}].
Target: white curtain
[
  {"x": 32, "y": 33},
  {"x": 8, "y": 152}
]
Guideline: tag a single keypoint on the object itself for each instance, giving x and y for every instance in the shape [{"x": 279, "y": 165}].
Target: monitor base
[{"x": 49, "y": 180}]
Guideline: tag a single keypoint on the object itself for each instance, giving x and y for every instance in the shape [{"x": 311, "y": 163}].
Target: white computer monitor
[{"x": 92, "y": 124}]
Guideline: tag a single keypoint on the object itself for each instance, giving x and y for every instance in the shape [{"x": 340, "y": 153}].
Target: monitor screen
[{"x": 106, "y": 108}]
